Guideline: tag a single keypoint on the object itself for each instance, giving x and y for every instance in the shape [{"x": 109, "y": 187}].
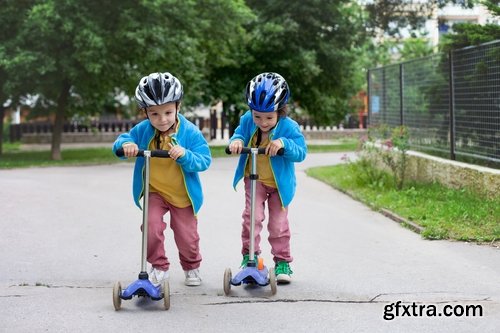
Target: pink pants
[
  {"x": 277, "y": 226},
  {"x": 184, "y": 225}
]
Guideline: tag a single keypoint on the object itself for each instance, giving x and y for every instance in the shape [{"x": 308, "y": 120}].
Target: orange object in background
[{"x": 363, "y": 107}]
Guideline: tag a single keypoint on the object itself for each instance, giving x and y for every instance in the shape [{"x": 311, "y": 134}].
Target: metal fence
[{"x": 450, "y": 102}]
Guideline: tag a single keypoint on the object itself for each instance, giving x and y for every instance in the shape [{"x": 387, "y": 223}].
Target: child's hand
[
  {"x": 236, "y": 146},
  {"x": 273, "y": 147},
  {"x": 175, "y": 152},
  {"x": 130, "y": 149}
]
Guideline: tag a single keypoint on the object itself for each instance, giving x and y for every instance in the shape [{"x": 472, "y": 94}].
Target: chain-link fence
[{"x": 449, "y": 102}]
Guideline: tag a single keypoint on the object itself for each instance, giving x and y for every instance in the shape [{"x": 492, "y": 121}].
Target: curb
[
  {"x": 387, "y": 213},
  {"x": 413, "y": 226}
]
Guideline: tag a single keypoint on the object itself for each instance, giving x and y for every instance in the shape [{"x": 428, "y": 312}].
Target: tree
[
  {"x": 414, "y": 48},
  {"x": 312, "y": 43},
  {"x": 10, "y": 27},
  {"x": 72, "y": 54}
]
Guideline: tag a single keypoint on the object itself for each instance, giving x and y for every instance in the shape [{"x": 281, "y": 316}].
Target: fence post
[
  {"x": 452, "y": 106},
  {"x": 368, "y": 100},
  {"x": 383, "y": 105},
  {"x": 401, "y": 103}
]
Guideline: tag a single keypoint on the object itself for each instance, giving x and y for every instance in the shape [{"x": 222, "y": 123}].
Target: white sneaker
[
  {"x": 192, "y": 277},
  {"x": 157, "y": 276}
]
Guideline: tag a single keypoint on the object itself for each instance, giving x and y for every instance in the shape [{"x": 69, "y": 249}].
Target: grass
[
  {"x": 443, "y": 213},
  {"x": 84, "y": 156},
  {"x": 15, "y": 157}
]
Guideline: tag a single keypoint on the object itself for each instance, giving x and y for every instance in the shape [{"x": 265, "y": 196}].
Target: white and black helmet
[{"x": 158, "y": 89}]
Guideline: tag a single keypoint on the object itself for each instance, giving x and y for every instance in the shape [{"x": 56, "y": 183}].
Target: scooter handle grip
[{"x": 154, "y": 153}]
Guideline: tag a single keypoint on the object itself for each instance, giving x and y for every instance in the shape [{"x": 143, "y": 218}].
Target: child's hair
[{"x": 282, "y": 112}]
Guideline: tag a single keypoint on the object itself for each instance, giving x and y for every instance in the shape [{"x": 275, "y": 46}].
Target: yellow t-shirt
[
  {"x": 166, "y": 178},
  {"x": 264, "y": 170}
]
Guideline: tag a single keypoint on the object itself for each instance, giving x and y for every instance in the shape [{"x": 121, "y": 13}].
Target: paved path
[{"x": 68, "y": 233}]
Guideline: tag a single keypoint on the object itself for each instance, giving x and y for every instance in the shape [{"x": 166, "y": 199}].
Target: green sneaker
[
  {"x": 283, "y": 272},
  {"x": 246, "y": 258}
]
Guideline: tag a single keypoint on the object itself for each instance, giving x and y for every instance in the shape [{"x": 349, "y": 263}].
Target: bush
[{"x": 386, "y": 147}]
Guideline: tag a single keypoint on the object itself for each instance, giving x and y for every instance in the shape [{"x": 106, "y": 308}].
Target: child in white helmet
[{"x": 175, "y": 186}]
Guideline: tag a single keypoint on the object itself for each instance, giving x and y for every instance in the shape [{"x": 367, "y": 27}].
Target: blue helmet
[{"x": 267, "y": 92}]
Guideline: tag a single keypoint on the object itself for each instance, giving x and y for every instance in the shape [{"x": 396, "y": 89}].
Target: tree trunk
[
  {"x": 2, "y": 116},
  {"x": 62, "y": 103}
]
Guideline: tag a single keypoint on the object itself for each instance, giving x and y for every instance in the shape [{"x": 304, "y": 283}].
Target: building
[{"x": 443, "y": 19}]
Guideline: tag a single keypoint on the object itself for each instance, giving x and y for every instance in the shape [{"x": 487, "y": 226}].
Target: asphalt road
[{"x": 69, "y": 233}]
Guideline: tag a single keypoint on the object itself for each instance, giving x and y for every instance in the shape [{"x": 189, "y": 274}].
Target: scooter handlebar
[
  {"x": 246, "y": 150},
  {"x": 154, "y": 153}
]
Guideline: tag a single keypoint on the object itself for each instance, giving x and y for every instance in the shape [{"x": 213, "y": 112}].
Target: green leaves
[{"x": 313, "y": 45}]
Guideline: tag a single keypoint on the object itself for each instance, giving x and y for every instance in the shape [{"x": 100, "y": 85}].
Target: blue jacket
[
  {"x": 197, "y": 156},
  {"x": 288, "y": 131}
]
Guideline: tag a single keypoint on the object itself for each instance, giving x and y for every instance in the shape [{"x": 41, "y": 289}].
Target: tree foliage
[
  {"x": 313, "y": 44},
  {"x": 72, "y": 54},
  {"x": 76, "y": 56}
]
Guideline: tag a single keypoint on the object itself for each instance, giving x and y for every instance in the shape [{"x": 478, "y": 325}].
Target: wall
[
  {"x": 325, "y": 134},
  {"x": 453, "y": 174}
]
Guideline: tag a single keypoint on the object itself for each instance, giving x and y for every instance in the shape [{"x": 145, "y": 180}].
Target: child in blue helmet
[
  {"x": 174, "y": 186},
  {"x": 266, "y": 125}
]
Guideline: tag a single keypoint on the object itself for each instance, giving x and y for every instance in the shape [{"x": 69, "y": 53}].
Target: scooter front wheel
[
  {"x": 117, "y": 292},
  {"x": 228, "y": 275},
  {"x": 165, "y": 289}
]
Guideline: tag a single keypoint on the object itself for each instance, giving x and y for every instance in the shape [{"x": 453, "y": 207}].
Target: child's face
[
  {"x": 265, "y": 120},
  {"x": 162, "y": 117}
]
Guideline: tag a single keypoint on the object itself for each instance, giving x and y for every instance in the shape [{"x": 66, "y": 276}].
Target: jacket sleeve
[
  {"x": 127, "y": 137},
  {"x": 197, "y": 156},
  {"x": 294, "y": 144}
]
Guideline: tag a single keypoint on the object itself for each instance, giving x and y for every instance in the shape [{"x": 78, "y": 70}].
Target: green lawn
[
  {"x": 84, "y": 156},
  {"x": 443, "y": 213}
]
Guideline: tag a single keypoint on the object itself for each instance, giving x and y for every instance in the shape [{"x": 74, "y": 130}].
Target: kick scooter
[
  {"x": 142, "y": 287},
  {"x": 255, "y": 272}
]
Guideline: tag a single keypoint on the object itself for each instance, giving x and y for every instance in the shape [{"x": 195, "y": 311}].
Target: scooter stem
[
  {"x": 253, "y": 183},
  {"x": 145, "y": 206}
]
